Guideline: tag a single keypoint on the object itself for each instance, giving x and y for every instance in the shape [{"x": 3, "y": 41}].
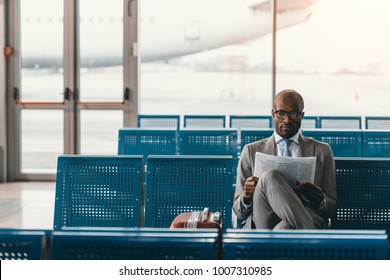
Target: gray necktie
[{"x": 286, "y": 144}]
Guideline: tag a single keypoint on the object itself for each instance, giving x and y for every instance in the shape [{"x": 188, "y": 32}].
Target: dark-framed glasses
[{"x": 280, "y": 114}]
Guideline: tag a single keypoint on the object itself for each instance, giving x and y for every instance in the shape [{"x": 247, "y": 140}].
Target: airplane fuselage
[{"x": 162, "y": 35}]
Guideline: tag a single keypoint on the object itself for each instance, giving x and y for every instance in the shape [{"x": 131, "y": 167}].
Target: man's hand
[
  {"x": 312, "y": 192},
  {"x": 249, "y": 189}
]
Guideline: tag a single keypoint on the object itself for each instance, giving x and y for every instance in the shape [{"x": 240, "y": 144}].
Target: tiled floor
[{"x": 27, "y": 205}]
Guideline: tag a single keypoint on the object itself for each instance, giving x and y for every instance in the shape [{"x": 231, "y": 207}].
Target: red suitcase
[{"x": 198, "y": 219}]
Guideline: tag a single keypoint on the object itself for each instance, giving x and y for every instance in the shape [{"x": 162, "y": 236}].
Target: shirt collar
[{"x": 295, "y": 138}]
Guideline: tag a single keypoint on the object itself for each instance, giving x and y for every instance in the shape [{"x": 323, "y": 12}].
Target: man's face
[{"x": 288, "y": 126}]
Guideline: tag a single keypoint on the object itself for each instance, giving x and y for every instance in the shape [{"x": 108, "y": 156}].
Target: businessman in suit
[{"x": 268, "y": 201}]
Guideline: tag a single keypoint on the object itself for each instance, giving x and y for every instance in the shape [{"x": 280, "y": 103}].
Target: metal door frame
[{"x": 71, "y": 105}]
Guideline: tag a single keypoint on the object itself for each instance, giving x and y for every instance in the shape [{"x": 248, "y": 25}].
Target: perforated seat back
[
  {"x": 208, "y": 142},
  {"x": 177, "y": 184},
  {"x": 136, "y": 244},
  {"x": 347, "y": 143},
  {"x": 380, "y": 123},
  {"x": 340, "y": 122},
  {"x": 376, "y": 143},
  {"x": 310, "y": 122},
  {"x": 147, "y": 141},
  {"x": 304, "y": 245},
  {"x": 363, "y": 190},
  {"x": 205, "y": 121},
  {"x": 158, "y": 121},
  {"x": 98, "y": 191},
  {"x": 22, "y": 244},
  {"x": 250, "y": 122},
  {"x": 253, "y": 135}
]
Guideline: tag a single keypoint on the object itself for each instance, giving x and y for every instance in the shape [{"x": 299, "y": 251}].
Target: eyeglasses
[{"x": 283, "y": 114}]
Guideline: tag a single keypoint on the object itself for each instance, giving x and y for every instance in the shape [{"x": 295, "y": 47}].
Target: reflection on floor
[{"x": 27, "y": 205}]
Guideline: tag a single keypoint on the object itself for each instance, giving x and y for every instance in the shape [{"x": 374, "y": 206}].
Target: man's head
[{"x": 288, "y": 113}]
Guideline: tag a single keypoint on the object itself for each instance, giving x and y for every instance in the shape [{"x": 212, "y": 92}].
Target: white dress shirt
[{"x": 294, "y": 146}]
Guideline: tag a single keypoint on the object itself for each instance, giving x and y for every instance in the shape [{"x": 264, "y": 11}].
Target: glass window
[
  {"x": 101, "y": 50},
  {"x": 202, "y": 57},
  {"x": 99, "y": 131},
  {"x": 339, "y": 59},
  {"x": 42, "y": 140},
  {"x": 42, "y": 50}
]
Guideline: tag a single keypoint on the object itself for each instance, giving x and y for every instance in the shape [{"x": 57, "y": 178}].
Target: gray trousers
[{"x": 276, "y": 206}]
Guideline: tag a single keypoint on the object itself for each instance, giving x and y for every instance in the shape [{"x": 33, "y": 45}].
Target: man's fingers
[
  {"x": 253, "y": 179},
  {"x": 309, "y": 187},
  {"x": 250, "y": 185},
  {"x": 313, "y": 191}
]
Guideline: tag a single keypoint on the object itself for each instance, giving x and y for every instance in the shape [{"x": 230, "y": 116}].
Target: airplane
[{"x": 164, "y": 33}]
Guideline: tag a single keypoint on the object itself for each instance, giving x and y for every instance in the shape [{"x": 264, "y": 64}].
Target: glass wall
[
  {"x": 339, "y": 59},
  {"x": 334, "y": 52},
  {"x": 202, "y": 57},
  {"x": 198, "y": 57},
  {"x": 42, "y": 132},
  {"x": 46, "y": 120},
  {"x": 101, "y": 49},
  {"x": 42, "y": 140},
  {"x": 99, "y": 131},
  {"x": 41, "y": 53}
]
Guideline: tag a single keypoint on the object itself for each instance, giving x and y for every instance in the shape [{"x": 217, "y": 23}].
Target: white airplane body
[{"x": 197, "y": 26}]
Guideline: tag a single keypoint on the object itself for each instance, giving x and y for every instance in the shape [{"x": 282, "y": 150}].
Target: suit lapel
[
  {"x": 270, "y": 146},
  {"x": 307, "y": 147}
]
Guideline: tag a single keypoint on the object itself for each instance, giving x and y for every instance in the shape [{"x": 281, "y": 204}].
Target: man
[{"x": 268, "y": 201}]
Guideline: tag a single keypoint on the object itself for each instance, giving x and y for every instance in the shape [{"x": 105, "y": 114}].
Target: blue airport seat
[
  {"x": 98, "y": 191},
  {"x": 159, "y": 121},
  {"x": 239, "y": 121},
  {"x": 205, "y": 121},
  {"x": 147, "y": 141},
  {"x": 215, "y": 141},
  {"x": 177, "y": 184},
  {"x": 376, "y": 143},
  {"x": 136, "y": 244},
  {"x": 241, "y": 244},
  {"x": 310, "y": 122},
  {"x": 379, "y": 123},
  {"x": 347, "y": 143},
  {"x": 340, "y": 122},
  {"x": 363, "y": 190},
  {"x": 253, "y": 135},
  {"x": 21, "y": 244}
]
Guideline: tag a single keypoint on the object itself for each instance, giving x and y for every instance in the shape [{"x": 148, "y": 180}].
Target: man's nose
[{"x": 287, "y": 119}]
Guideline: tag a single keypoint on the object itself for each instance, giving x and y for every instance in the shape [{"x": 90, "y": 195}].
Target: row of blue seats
[
  {"x": 116, "y": 191},
  {"x": 256, "y": 121},
  {"x": 180, "y": 244},
  {"x": 226, "y": 141}
]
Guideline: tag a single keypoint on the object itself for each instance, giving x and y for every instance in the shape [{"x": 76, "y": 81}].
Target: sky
[{"x": 340, "y": 33}]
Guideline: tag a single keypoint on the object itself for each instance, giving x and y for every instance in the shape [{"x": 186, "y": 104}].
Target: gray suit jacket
[{"x": 325, "y": 175}]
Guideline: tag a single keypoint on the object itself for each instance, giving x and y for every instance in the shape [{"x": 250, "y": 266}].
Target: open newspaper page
[{"x": 295, "y": 169}]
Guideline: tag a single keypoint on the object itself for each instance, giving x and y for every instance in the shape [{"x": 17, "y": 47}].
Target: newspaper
[{"x": 295, "y": 169}]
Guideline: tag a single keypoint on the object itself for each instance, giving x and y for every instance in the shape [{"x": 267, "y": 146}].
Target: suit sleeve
[{"x": 244, "y": 170}]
